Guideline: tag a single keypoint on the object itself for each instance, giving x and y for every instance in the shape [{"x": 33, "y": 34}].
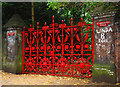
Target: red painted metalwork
[{"x": 59, "y": 49}]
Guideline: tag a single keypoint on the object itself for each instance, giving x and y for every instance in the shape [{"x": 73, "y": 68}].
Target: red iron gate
[{"x": 59, "y": 49}]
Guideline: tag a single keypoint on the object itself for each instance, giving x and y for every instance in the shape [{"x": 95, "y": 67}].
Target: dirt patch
[{"x": 36, "y": 79}]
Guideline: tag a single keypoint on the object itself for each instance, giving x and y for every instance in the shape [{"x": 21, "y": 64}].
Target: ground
[{"x": 36, "y": 79}]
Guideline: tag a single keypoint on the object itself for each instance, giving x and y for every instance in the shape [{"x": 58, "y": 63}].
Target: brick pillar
[
  {"x": 117, "y": 50},
  {"x": 104, "y": 67}
]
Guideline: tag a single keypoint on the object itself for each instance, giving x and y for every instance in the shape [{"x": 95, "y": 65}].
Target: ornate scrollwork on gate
[{"x": 59, "y": 49}]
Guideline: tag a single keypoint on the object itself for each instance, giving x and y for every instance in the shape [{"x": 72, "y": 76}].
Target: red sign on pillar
[{"x": 103, "y": 23}]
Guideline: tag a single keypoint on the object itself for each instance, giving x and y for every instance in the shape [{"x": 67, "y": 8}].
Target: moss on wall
[{"x": 104, "y": 73}]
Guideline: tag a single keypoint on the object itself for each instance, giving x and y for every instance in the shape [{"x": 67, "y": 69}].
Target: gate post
[
  {"x": 12, "y": 45},
  {"x": 104, "y": 66}
]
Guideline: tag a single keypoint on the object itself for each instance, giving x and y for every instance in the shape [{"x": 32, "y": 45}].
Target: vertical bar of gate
[
  {"x": 82, "y": 42},
  {"x": 53, "y": 47},
  {"x": 37, "y": 43},
  {"x": 62, "y": 44},
  {"x": 45, "y": 42},
  {"x": 72, "y": 45},
  {"x": 93, "y": 40},
  {"x": 30, "y": 45},
  {"x": 23, "y": 49}
]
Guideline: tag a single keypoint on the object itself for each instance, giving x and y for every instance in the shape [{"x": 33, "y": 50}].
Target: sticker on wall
[
  {"x": 103, "y": 23},
  {"x": 11, "y": 36}
]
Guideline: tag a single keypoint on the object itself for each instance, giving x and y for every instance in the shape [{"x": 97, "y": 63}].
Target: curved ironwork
[{"x": 59, "y": 49}]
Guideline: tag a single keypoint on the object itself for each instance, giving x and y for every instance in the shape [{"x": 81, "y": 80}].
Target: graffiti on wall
[
  {"x": 104, "y": 41},
  {"x": 102, "y": 32},
  {"x": 11, "y": 36}
]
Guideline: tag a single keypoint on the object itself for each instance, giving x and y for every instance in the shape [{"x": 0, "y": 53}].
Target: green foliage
[
  {"x": 72, "y": 9},
  {"x": 80, "y": 9},
  {"x": 61, "y": 10}
]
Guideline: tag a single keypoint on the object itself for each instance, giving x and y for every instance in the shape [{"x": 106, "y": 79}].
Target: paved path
[{"x": 35, "y": 79}]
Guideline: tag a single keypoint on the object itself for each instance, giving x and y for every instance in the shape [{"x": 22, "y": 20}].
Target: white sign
[{"x": 102, "y": 31}]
